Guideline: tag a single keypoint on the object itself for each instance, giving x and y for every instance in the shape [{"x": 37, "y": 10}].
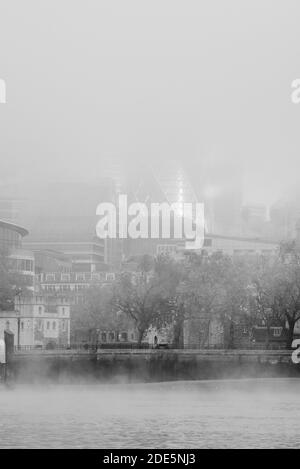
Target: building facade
[
  {"x": 230, "y": 245},
  {"x": 62, "y": 218},
  {"x": 72, "y": 283},
  {"x": 38, "y": 322},
  {"x": 20, "y": 260}
]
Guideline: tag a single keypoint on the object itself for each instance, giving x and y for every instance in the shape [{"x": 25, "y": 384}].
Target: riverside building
[{"x": 38, "y": 321}]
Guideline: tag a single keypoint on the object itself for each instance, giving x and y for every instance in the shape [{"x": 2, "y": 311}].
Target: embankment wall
[{"x": 148, "y": 365}]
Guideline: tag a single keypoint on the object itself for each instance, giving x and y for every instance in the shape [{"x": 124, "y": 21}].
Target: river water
[{"x": 195, "y": 414}]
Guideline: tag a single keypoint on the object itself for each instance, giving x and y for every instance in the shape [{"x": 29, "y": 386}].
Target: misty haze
[{"x": 131, "y": 340}]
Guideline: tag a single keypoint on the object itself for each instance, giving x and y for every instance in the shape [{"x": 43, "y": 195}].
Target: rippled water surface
[{"x": 198, "y": 414}]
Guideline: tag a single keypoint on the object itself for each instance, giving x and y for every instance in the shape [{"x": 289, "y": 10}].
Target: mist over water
[{"x": 200, "y": 414}]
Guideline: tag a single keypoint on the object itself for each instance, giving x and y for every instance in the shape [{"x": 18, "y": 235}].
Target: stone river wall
[{"x": 148, "y": 365}]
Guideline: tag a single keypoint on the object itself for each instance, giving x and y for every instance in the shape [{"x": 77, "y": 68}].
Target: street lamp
[{"x": 18, "y": 314}]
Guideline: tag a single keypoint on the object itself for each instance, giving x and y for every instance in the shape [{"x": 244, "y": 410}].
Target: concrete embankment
[{"x": 148, "y": 365}]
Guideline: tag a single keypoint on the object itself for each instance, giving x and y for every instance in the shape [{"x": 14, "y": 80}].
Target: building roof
[
  {"x": 12, "y": 226},
  {"x": 241, "y": 238}
]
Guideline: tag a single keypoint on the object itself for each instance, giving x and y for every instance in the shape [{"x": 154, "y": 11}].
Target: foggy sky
[{"x": 145, "y": 80}]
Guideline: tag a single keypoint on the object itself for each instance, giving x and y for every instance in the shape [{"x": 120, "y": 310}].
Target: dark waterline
[{"x": 195, "y": 414}]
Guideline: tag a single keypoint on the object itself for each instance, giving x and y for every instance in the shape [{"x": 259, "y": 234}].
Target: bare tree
[{"x": 141, "y": 298}]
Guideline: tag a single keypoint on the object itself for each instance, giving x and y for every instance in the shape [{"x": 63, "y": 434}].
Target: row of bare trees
[{"x": 248, "y": 290}]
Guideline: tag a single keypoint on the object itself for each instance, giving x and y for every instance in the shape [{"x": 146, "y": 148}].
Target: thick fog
[{"x": 96, "y": 80}]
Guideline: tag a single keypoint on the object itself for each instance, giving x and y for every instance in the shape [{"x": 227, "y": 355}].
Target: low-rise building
[
  {"x": 38, "y": 321},
  {"x": 19, "y": 260},
  {"x": 71, "y": 284},
  {"x": 230, "y": 245}
]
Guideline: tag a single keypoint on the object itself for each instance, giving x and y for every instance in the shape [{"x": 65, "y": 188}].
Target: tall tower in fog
[
  {"x": 217, "y": 180},
  {"x": 174, "y": 182}
]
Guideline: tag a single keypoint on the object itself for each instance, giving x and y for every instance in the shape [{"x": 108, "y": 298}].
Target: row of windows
[
  {"x": 113, "y": 336},
  {"x": 49, "y": 325},
  {"x": 172, "y": 248},
  {"x": 81, "y": 277},
  {"x": 22, "y": 264},
  {"x": 166, "y": 248},
  {"x": 89, "y": 248},
  {"x": 53, "y": 326},
  {"x": 64, "y": 288},
  {"x": 52, "y": 308},
  {"x": 9, "y": 238}
]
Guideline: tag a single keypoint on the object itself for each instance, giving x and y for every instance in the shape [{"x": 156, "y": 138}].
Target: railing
[
  {"x": 256, "y": 346},
  {"x": 93, "y": 347},
  {"x": 88, "y": 347}
]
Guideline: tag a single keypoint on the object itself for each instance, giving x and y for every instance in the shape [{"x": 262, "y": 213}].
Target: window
[
  {"x": 50, "y": 277},
  {"x": 110, "y": 277},
  {"x": 166, "y": 248},
  {"x": 54, "y": 325},
  {"x": 22, "y": 265},
  {"x": 48, "y": 325},
  {"x": 28, "y": 265},
  {"x": 95, "y": 277},
  {"x": 22, "y": 325},
  {"x": 64, "y": 325},
  {"x": 124, "y": 336},
  {"x": 63, "y": 311},
  {"x": 80, "y": 277},
  {"x": 277, "y": 331},
  {"x": 65, "y": 277},
  {"x": 40, "y": 310}
]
